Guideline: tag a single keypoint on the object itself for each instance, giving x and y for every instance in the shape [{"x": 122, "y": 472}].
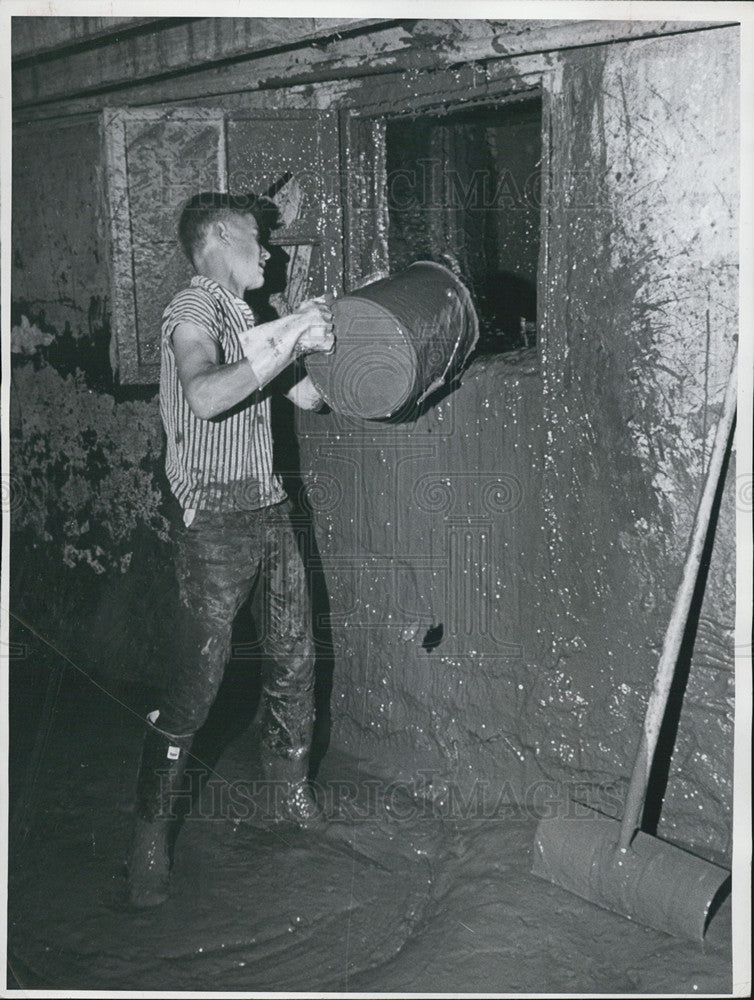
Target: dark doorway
[{"x": 464, "y": 190}]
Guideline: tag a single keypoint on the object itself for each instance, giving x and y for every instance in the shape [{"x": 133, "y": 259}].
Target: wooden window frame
[{"x": 537, "y": 81}]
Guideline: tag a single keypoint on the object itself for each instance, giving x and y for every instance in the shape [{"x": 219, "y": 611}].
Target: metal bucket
[{"x": 397, "y": 340}]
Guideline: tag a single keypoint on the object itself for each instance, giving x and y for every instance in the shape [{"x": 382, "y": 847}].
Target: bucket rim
[{"x": 465, "y": 293}]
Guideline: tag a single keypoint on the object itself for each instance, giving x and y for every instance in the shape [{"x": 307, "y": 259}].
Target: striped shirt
[{"x": 224, "y": 463}]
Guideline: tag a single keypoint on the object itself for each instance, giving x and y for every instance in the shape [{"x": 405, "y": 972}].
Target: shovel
[{"x": 614, "y": 864}]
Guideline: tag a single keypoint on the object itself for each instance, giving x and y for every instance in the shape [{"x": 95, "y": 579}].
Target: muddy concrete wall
[
  {"x": 638, "y": 345},
  {"x": 605, "y": 452},
  {"x": 430, "y": 533}
]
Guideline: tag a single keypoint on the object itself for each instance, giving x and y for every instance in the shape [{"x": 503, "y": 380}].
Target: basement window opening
[{"x": 464, "y": 190}]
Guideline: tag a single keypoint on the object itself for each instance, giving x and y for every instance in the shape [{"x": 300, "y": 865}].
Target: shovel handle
[{"x": 671, "y": 646}]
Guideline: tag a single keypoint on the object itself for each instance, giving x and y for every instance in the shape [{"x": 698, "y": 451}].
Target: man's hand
[
  {"x": 318, "y": 331},
  {"x": 305, "y": 395},
  {"x": 211, "y": 388}
]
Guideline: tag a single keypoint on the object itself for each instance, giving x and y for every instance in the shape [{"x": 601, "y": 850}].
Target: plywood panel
[
  {"x": 264, "y": 147},
  {"x": 58, "y": 267},
  {"x": 154, "y": 159}
]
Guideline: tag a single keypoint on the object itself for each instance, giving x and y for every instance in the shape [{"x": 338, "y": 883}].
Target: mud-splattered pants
[{"x": 219, "y": 559}]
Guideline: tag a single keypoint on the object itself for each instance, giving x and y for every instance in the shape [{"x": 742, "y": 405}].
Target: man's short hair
[{"x": 203, "y": 209}]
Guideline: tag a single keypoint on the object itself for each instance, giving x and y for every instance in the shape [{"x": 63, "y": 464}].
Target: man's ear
[{"x": 221, "y": 231}]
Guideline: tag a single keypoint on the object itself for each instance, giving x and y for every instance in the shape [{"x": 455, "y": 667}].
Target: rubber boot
[
  {"x": 163, "y": 762},
  {"x": 294, "y": 800}
]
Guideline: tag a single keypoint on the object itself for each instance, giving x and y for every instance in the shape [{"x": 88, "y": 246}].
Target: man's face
[{"x": 248, "y": 256}]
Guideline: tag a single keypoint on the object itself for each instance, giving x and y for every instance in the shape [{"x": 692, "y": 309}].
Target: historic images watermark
[{"x": 427, "y": 796}]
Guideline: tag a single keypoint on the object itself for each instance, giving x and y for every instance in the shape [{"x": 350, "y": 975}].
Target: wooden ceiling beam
[
  {"x": 32, "y": 37},
  {"x": 171, "y": 48},
  {"x": 382, "y": 48}
]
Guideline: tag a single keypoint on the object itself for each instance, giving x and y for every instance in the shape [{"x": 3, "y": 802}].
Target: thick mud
[{"x": 391, "y": 897}]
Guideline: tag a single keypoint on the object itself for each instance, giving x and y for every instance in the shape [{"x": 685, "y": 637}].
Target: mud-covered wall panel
[
  {"x": 639, "y": 342},
  {"x": 59, "y": 265},
  {"x": 430, "y": 536}
]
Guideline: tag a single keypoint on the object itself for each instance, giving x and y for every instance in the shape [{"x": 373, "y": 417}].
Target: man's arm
[{"x": 211, "y": 388}]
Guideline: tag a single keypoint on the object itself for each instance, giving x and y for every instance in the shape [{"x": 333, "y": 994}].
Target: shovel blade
[{"x": 652, "y": 882}]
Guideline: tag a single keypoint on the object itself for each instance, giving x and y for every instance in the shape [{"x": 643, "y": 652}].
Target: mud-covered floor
[{"x": 390, "y": 898}]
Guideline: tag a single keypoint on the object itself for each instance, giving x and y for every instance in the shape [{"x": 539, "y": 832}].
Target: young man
[{"x": 235, "y": 530}]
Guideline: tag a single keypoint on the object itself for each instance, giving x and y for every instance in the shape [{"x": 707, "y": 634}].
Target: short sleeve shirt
[{"x": 225, "y": 462}]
